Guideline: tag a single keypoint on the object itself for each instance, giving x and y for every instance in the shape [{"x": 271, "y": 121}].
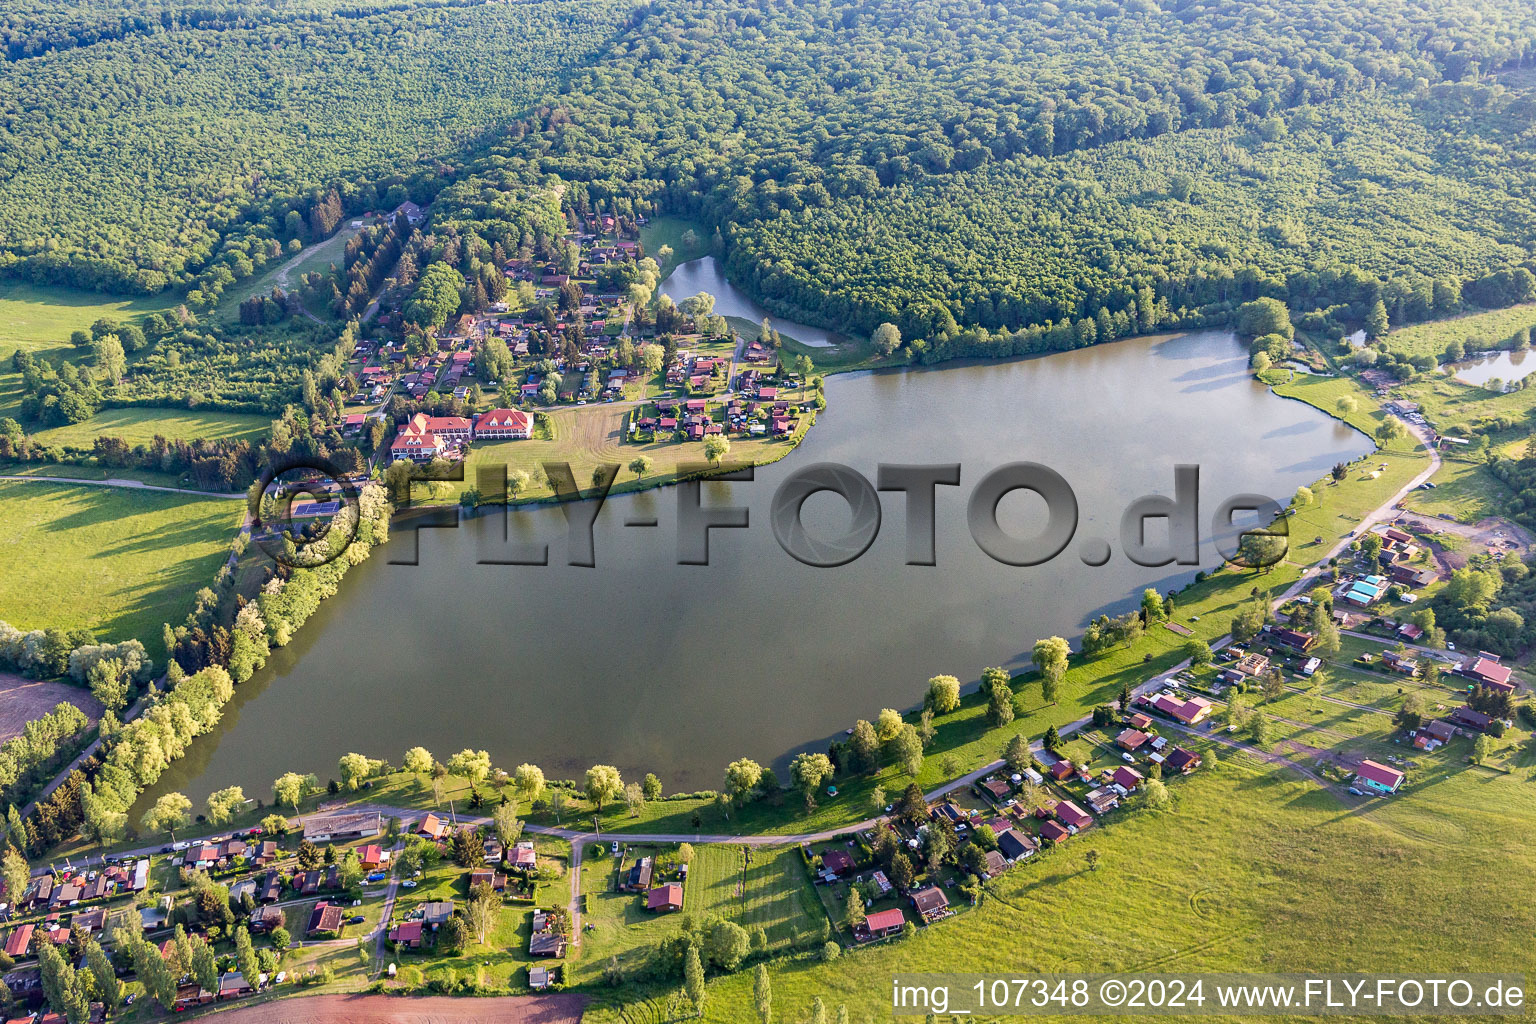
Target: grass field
[
  {"x": 771, "y": 891},
  {"x": 38, "y": 317},
  {"x": 662, "y": 231},
  {"x": 589, "y": 436},
  {"x": 140, "y": 425},
  {"x": 114, "y": 561},
  {"x": 1476, "y": 331}
]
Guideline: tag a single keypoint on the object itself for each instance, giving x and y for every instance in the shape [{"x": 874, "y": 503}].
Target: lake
[
  {"x": 1505, "y": 366},
  {"x": 706, "y": 275},
  {"x": 679, "y": 669}
]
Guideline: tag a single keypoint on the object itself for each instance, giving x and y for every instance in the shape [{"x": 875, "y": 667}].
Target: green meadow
[
  {"x": 115, "y": 561},
  {"x": 141, "y": 425}
]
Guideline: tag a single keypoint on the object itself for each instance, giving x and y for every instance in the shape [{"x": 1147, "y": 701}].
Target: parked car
[
  {"x": 377, "y": 876},
  {"x": 408, "y": 884},
  {"x": 356, "y": 919},
  {"x": 1355, "y": 791}
]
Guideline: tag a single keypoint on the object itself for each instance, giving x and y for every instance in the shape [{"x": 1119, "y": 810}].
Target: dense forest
[
  {"x": 124, "y": 162},
  {"x": 991, "y": 166}
]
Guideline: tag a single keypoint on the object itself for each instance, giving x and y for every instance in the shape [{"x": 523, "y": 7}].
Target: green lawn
[
  {"x": 662, "y": 231},
  {"x": 140, "y": 425},
  {"x": 115, "y": 561},
  {"x": 1491, "y": 328},
  {"x": 38, "y": 317},
  {"x": 759, "y": 888},
  {"x": 1467, "y": 491}
]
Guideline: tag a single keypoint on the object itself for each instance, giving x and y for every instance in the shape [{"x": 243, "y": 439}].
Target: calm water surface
[
  {"x": 706, "y": 275},
  {"x": 654, "y": 666},
  {"x": 1506, "y": 366}
]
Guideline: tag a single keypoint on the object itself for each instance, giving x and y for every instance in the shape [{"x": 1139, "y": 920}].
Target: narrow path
[
  {"x": 578, "y": 844},
  {"x": 130, "y": 485}
]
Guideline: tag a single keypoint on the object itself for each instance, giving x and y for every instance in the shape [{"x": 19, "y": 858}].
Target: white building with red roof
[{"x": 504, "y": 424}]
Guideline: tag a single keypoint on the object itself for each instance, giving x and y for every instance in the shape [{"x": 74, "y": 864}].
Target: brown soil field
[
  {"x": 562, "y": 1008},
  {"x": 22, "y": 700}
]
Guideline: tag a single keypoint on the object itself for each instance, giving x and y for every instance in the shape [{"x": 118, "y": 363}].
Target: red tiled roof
[
  {"x": 1380, "y": 774},
  {"x": 883, "y": 919},
  {"x": 665, "y": 897}
]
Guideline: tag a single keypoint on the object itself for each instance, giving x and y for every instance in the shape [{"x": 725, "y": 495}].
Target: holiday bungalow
[
  {"x": 1130, "y": 739},
  {"x": 1073, "y": 816},
  {"x": 1016, "y": 845},
  {"x": 880, "y": 924},
  {"x": 336, "y": 827},
  {"x": 1378, "y": 777},
  {"x": 1191, "y": 712},
  {"x": 664, "y": 898},
  {"x": 931, "y": 904},
  {"x": 1470, "y": 718},
  {"x": 1182, "y": 761},
  {"x": 1485, "y": 670}
]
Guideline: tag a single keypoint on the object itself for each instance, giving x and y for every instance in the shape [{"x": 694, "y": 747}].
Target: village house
[
  {"x": 1102, "y": 800},
  {"x": 1253, "y": 664},
  {"x": 1016, "y": 845},
  {"x": 486, "y": 876},
  {"x": 1182, "y": 761},
  {"x": 1073, "y": 816},
  {"x": 880, "y": 924},
  {"x": 1131, "y": 740},
  {"x": 838, "y": 862},
  {"x": 931, "y": 904},
  {"x": 233, "y": 986},
  {"x": 325, "y": 918},
  {"x": 1293, "y": 639},
  {"x": 1400, "y": 662},
  {"x": 271, "y": 888},
  {"x": 1191, "y": 712},
  {"x": 522, "y": 858},
  {"x": 1063, "y": 769},
  {"x": 433, "y": 827},
  {"x": 664, "y": 898},
  {"x": 639, "y": 876},
  {"x": 1470, "y": 718},
  {"x": 1486, "y": 671},
  {"x": 340, "y": 827},
  {"x": 1127, "y": 778},
  {"x": 19, "y": 943},
  {"x": 1378, "y": 777},
  {"x": 435, "y": 913},
  {"x": 264, "y": 919},
  {"x": 1053, "y": 831},
  {"x": 407, "y": 934}
]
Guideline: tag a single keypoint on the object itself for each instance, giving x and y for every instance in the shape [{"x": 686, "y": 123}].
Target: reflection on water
[
  {"x": 653, "y": 666},
  {"x": 1505, "y": 366},
  {"x": 706, "y": 275}
]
